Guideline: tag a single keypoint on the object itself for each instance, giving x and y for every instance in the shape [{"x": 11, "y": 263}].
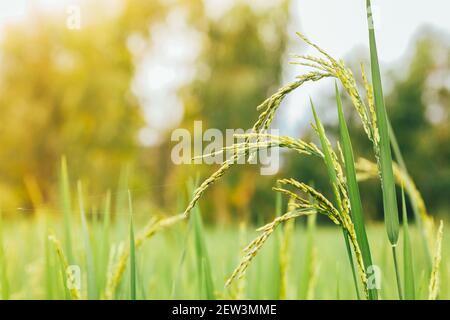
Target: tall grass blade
[
  {"x": 132, "y": 251},
  {"x": 387, "y": 174},
  {"x": 90, "y": 267},
  {"x": 5, "y": 294},
  {"x": 309, "y": 258},
  {"x": 105, "y": 245},
  {"x": 334, "y": 184},
  {"x": 65, "y": 197},
  {"x": 414, "y": 201},
  {"x": 408, "y": 269},
  {"x": 386, "y": 171},
  {"x": 353, "y": 191},
  {"x": 203, "y": 261}
]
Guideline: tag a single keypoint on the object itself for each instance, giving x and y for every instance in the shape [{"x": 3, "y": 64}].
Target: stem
[
  {"x": 352, "y": 265},
  {"x": 397, "y": 273}
]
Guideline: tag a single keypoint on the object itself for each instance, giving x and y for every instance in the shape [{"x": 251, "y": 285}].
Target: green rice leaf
[
  {"x": 66, "y": 202},
  {"x": 90, "y": 267},
  {"x": 353, "y": 190},
  {"x": 327, "y": 152},
  {"x": 203, "y": 261},
  {"x": 407, "y": 255},
  {"x": 132, "y": 251}
]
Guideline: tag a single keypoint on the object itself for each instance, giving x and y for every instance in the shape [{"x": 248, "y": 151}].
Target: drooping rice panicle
[
  {"x": 253, "y": 248},
  {"x": 243, "y": 149},
  {"x": 433, "y": 288}
]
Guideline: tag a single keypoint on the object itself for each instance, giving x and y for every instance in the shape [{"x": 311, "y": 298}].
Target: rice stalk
[{"x": 433, "y": 288}]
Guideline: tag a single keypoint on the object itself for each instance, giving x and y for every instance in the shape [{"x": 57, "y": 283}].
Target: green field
[{"x": 34, "y": 270}]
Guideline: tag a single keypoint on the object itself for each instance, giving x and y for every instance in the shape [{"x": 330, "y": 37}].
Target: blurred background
[{"x": 107, "y": 93}]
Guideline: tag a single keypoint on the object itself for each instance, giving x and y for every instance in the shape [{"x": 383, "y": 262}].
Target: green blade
[
  {"x": 132, "y": 251},
  {"x": 407, "y": 255},
  {"x": 415, "y": 207},
  {"x": 353, "y": 191},
  {"x": 391, "y": 220},
  {"x": 64, "y": 186},
  {"x": 387, "y": 175},
  {"x": 90, "y": 268},
  {"x": 326, "y": 148},
  {"x": 203, "y": 261}
]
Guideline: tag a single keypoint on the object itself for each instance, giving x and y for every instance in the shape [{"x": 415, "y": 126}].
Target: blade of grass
[
  {"x": 203, "y": 261},
  {"x": 407, "y": 255},
  {"x": 72, "y": 291},
  {"x": 334, "y": 184},
  {"x": 3, "y": 267},
  {"x": 66, "y": 208},
  {"x": 415, "y": 206},
  {"x": 132, "y": 252},
  {"x": 386, "y": 171},
  {"x": 90, "y": 268},
  {"x": 353, "y": 191},
  {"x": 308, "y": 265},
  {"x": 105, "y": 246}
]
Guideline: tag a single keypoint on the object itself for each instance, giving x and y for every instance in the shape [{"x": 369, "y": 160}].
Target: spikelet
[
  {"x": 73, "y": 290},
  {"x": 433, "y": 288}
]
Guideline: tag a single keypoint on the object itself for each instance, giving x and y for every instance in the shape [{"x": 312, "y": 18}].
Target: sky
[{"x": 339, "y": 26}]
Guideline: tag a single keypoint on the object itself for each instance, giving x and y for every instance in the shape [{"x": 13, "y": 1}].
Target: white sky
[{"x": 339, "y": 26}]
